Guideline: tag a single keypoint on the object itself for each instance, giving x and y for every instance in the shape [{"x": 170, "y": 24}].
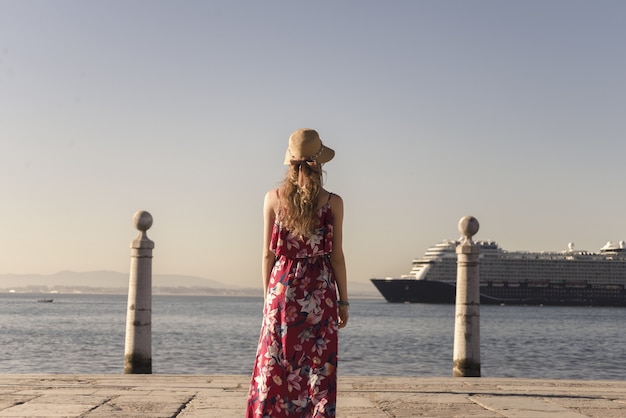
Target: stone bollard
[
  {"x": 138, "y": 347},
  {"x": 466, "y": 362}
]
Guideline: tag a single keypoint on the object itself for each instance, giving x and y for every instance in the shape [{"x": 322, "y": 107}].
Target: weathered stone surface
[{"x": 194, "y": 396}]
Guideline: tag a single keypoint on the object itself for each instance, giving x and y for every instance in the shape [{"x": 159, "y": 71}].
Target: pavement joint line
[
  {"x": 489, "y": 393},
  {"x": 104, "y": 402},
  {"x": 184, "y": 405}
]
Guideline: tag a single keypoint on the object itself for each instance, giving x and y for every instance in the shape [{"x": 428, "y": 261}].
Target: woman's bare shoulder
[
  {"x": 271, "y": 198},
  {"x": 336, "y": 202},
  {"x": 271, "y": 194}
]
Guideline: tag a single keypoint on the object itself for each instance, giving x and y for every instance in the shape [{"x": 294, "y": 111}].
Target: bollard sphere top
[
  {"x": 468, "y": 226},
  {"x": 142, "y": 220}
]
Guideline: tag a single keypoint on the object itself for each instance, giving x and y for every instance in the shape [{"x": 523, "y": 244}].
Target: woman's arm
[
  {"x": 269, "y": 217},
  {"x": 337, "y": 259}
]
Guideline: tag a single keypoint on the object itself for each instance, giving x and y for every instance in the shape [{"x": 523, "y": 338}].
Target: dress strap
[
  {"x": 330, "y": 194},
  {"x": 279, "y": 207}
]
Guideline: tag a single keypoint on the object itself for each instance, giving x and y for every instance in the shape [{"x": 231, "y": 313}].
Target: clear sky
[{"x": 513, "y": 112}]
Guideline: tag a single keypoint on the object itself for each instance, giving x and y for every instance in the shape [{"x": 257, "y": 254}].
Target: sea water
[{"x": 218, "y": 335}]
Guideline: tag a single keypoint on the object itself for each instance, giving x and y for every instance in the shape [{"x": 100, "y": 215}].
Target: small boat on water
[{"x": 45, "y": 300}]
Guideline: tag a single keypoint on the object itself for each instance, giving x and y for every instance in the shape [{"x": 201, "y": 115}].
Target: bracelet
[{"x": 343, "y": 303}]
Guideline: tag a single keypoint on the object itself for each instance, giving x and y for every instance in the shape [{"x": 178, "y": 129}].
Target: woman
[{"x": 305, "y": 288}]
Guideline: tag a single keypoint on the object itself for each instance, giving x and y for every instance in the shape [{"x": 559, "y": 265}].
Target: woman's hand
[{"x": 343, "y": 316}]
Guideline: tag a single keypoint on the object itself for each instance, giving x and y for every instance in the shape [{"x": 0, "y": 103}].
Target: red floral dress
[{"x": 295, "y": 369}]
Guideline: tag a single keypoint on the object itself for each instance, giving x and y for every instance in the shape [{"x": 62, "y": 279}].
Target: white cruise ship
[{"x": 569, "y": 277}]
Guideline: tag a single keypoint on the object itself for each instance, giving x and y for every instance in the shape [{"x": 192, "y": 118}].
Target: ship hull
[{"x": 432, "y": 291}]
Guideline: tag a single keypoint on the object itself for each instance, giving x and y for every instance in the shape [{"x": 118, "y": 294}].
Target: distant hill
[
  {"x": 116, "y": 282},
  {"x": 102, "y": 279},
  {"x": 363, "y": 289}
]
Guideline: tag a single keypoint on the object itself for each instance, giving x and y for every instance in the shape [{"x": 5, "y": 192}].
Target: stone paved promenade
[{"x": 363, "y": 397}]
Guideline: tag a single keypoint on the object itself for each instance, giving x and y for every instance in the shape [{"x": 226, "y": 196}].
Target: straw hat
[{"x": 305, "y": 144}]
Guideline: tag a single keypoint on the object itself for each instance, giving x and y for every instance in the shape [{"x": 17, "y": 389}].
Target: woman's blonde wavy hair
[{"x": 299, "y": 196}]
